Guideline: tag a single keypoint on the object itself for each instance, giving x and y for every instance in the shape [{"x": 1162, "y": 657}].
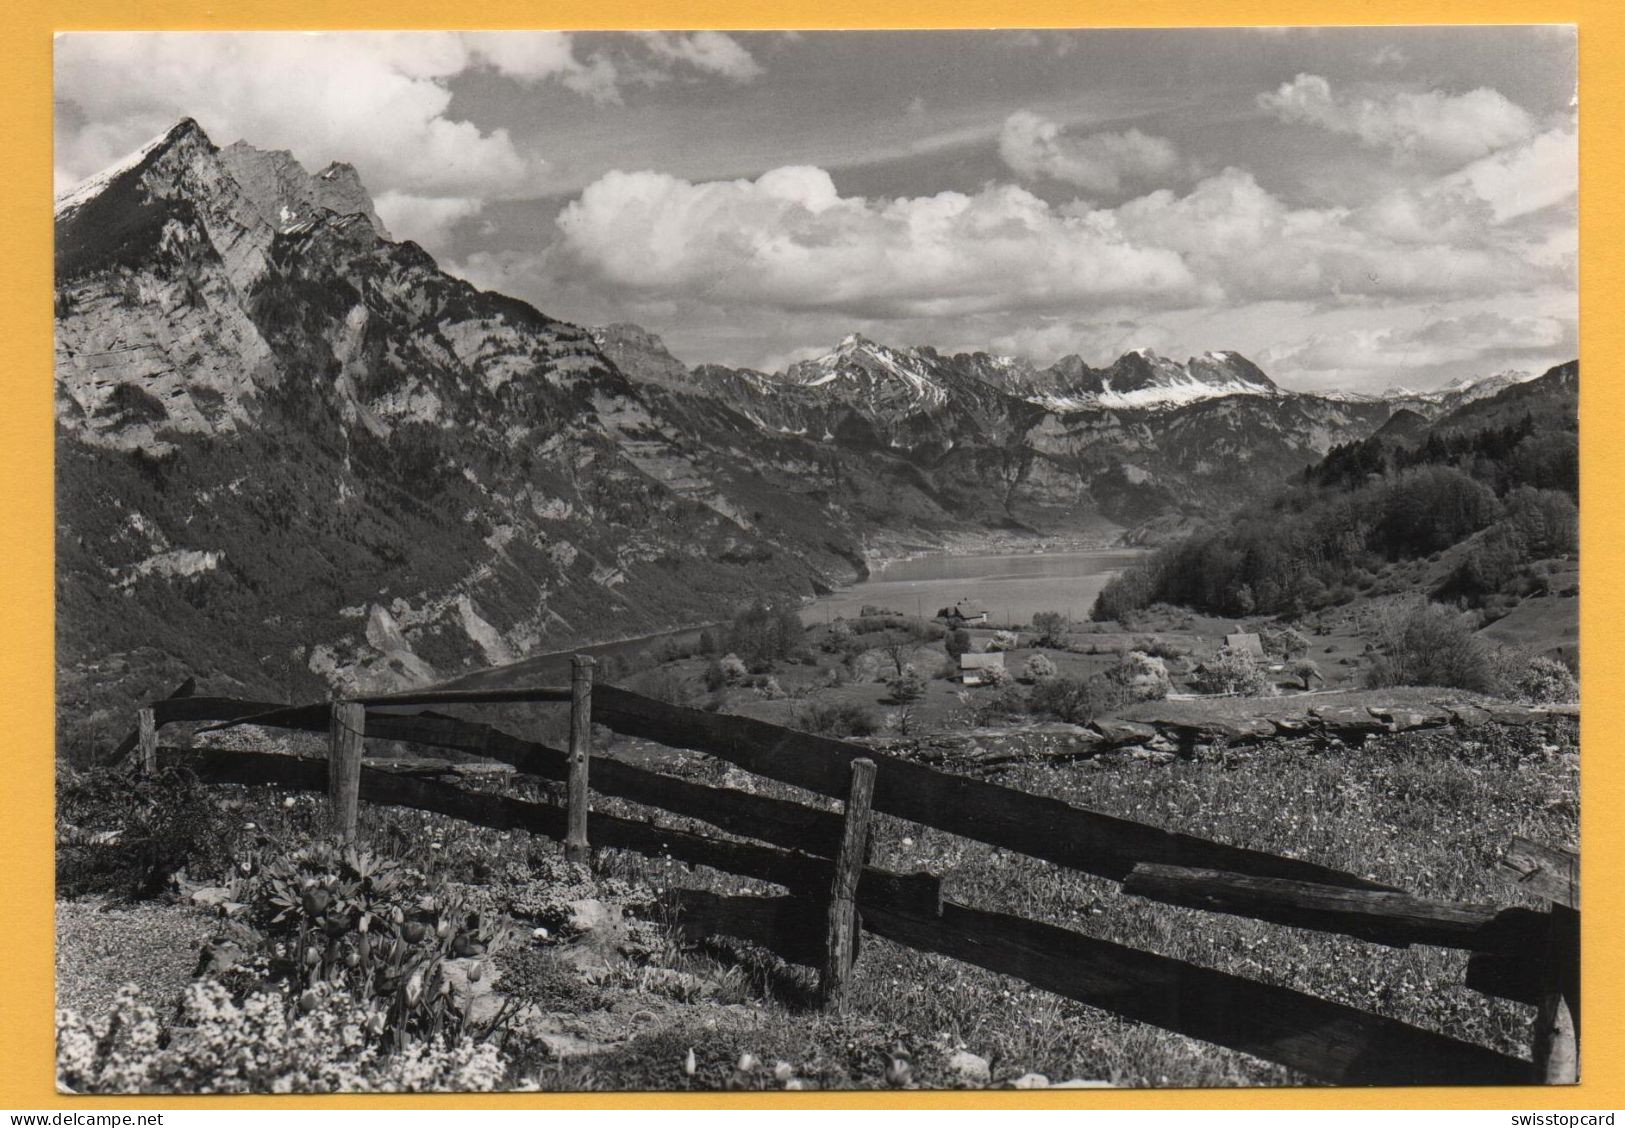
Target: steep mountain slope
[{"x": 296, "y": 453}]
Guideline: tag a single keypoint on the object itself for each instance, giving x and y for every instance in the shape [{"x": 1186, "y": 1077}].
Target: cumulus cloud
[
  {"x": 789, "y": 240},
  {"x": 711, "y": 52},
  {"x": 428, "y": 220},
  {"x": 1542, "y": 172},
  {"x": 1248, "y": 243},
  {"x": 379, "y": 101},
  {"x": 1455, "y": 126},
  {"x": 1036, "y": 148},
  {"x": 538, "y": 56}
]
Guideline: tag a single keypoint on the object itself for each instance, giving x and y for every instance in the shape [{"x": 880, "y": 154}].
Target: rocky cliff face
[{"x": 293, "y": 452}]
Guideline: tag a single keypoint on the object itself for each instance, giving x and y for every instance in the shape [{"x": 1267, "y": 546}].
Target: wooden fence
[{"x": 820, "y": 858}]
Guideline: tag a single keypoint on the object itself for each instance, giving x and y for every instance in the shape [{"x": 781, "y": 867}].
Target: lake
[{"x": 1013, "y": 587}]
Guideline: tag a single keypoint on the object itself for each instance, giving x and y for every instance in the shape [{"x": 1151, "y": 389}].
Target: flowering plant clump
[
  {"x": 343, "y": 917},
  {"x": 327, "y": 1043}
]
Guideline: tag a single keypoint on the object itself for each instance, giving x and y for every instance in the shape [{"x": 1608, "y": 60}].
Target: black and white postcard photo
[{"x": 801, "y": 561}]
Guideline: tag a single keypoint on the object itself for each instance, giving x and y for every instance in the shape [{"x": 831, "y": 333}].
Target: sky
[{"x": 1352, "y": 208}]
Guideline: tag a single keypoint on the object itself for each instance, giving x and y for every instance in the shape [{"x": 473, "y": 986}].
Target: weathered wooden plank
[
  {"x": 778, "y": 821},
  {"x": 1395, "y": 919},
  {"x": 146, "y": 728},
  {"x": 841, "y": 933},
  {"x": 1036, "y": 825},
  {"x": 521, "y": 694},
  {"x": 578, "y": 798},
  {"x": 344, "y": 768},
  {"x": 788, "y": 926},
  {"x": 1544, "y": 871},
  {"x": 1323, "y": 1039}
]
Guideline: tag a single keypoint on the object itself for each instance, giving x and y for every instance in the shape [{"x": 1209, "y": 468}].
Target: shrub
[
  {"x": 762, "y": 633},
  {"x": 1433, "y": 645},
  {"x": 838, "y": 637},
  {"x": 266, "y": 1043},
  {"x": 129, "y": 834},
  {"x": 957, "y": 642},
  {"x": 733, "y": 669},
  {"x": 1005, "y": 701},
  {"x": 908, "y": 685},
  {"x": 1232, "y": 671},
  {"x": 1038, "y": 668},
  {"x": 1050, "y": 627},
  {"x": 1159, "y": 648},
  {"x": 346, "y": 917},
  {"x": 771, "y": 690},
  {"x": 995, "y": 675},
  {"x": 1003, "y": 640},
  {"x": 1142, "y": 677},
  {"x": 835, "y": 719},
  {"x": 1547, "y": 681},
  {"x": 1285, "y": 643},
  {"x": 1075, "y": 700}
]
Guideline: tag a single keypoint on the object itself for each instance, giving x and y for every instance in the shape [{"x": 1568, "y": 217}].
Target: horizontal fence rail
[{"x": 816, "y": 855}]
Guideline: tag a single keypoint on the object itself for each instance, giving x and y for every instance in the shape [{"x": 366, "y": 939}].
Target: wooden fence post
[
  {"x": 1557, "y": 1019},
  {"x": 348, "y": 732},
  {"x": 841, "y": 946},
  {"x": 146, "y": 726},
  {"x": 575, "y": 839},
  {"x": 1555, "y": 875}
]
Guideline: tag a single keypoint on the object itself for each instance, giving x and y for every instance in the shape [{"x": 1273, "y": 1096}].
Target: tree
[
  {"x": 908, "y": 685},
  {"x": 1038, "y": 668},
  {"x": 1285, "y": 643},
  {"x": 1304, "y": 669},
  {"x": 957, "y": 642},
  {"x": 1002, "y": 640},
  {"x": 1232, "y": 671},
  {"x": 1433, "y": 645},
  {"x": 1050, "y": 627},
  {"x": 1143, "y": 677},
  {"x": 1548, "y": 681},
  {"x": 733, "y": 669},
  {"x": 899, "y": 646}
]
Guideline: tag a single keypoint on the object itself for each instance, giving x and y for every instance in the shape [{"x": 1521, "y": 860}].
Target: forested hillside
[{"x": 1489, "y": 490}]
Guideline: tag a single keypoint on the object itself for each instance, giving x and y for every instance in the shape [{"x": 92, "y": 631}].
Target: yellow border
[{"x": 26, "y": 922}]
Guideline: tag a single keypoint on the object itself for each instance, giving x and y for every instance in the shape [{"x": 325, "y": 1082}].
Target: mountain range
[{"x": 294, "y": 453}]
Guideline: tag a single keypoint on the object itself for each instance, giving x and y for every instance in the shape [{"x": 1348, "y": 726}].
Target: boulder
[
  {"x": 1124, "y": 732},
  {"x": 1403, "y": 718},
  {"x": 1469, "y": 716},
  {"x": 969, "y": 1069}
]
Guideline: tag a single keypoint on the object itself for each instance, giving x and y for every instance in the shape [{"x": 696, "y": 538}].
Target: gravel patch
[{"x": 153, "y": 946}]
